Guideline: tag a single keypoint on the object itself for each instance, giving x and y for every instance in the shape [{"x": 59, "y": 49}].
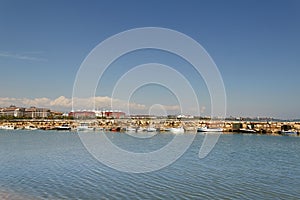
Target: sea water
[{"x": 56, "y": 165}]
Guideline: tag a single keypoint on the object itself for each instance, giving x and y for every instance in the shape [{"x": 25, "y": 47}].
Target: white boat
[
  {"x": 31, "y": 127},
  {"x": 64, "y": 127},
  {"x": 178, "y": 130},
  {"x": 85, "y": 127},
  {"x": 141, "y": 129},
  {"x": 151, "y": 129},
  {"x": 7, "y": 127},
  {"x": 205, "y": 129},
  {"x": 247, "y": 130},
  {"x": 130, "y": 129}
]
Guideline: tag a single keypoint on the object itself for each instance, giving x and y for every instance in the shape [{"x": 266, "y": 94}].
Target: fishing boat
[
  {"x": 31, "y": 127},
  {"x": 141, "y": 129},
  {"x": 206, "y": 129},
  {"x": 178, "y": 130},
  {"x": 7, "y": 127},
  {"x": 130, "y": 129},
  {"x": 64, "y": 127},
  {"x": 85, "y": 127},
  {"x": 247, "y": 130},
  {"x": 289, "y": 133},
  {"x": 151, "y": 129}
]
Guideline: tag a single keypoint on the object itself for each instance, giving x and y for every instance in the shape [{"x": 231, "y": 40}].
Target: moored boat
[
  {"x": 289, "y": 133},
  {"x": 151, "y": 129},
  {"x": 206, "y": 129},
  {"x": 141, "y": 129},
  {"x": 130, "y": 129},
  {"x": 85, "y": 127},
  {"x": 31, "y": 127},
  {"x": 64, "y": 127},
  {"x": 247, "y": 130},
  {"x": 7, "y": 127}
]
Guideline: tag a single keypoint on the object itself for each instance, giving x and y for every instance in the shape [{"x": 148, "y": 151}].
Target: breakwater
[{"x": 261, "y": 127}]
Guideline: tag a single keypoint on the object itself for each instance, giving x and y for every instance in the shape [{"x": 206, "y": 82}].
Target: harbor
[{"x": 159, "y": 125}]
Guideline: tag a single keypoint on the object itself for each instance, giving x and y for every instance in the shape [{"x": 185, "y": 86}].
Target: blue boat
[{"x": 289, "y": 133}]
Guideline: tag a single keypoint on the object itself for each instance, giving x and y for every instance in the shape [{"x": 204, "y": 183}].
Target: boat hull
[
  {"x": 289, "y": 133},
  {"x": 244, "y": 130},
  {"x": 205, "y": 129},
  {"x": 7, "y": 127},
  {"x": 85, "y": 129},
  {"x": 63, "y": 128}
]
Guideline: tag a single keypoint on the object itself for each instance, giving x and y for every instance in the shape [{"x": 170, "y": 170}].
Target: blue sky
[{"x": 255, "y": 44}]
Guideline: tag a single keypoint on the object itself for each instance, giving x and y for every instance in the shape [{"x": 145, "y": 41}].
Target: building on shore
[
  {"x": 12, "y": 111},
  {"x": 34, "y": 112},
  {"x": 114, "y": 114},
  {"x": 143, "y": 117},
  {"x": 82, "y": 114},
  {"x": 20, "y": 112}
]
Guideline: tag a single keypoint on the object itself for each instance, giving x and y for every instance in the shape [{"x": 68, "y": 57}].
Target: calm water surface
[{"x": 55, "y": 165}]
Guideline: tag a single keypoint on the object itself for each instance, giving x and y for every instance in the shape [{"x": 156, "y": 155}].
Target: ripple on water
[{"x": 52, "y": 165}]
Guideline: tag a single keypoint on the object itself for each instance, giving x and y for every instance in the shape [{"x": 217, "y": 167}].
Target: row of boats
[
  {"x": 11, "y": 127},
  {"x": 178, "y": 130},
  {"x": 87, "y": 127}
]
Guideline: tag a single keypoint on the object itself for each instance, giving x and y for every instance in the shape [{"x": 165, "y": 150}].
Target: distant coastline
[
  {"x": 34, "y": 118},
  {"x": 160, "y": 125}
]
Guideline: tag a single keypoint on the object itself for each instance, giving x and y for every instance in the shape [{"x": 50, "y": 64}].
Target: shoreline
[{"x": 161, "y": 125}]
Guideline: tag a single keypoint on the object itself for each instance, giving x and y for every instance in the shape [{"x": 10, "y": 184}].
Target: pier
[{"x": 190, "y": 125}]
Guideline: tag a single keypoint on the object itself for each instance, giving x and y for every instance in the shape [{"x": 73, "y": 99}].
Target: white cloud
[{"x": 63, "y": 103}]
